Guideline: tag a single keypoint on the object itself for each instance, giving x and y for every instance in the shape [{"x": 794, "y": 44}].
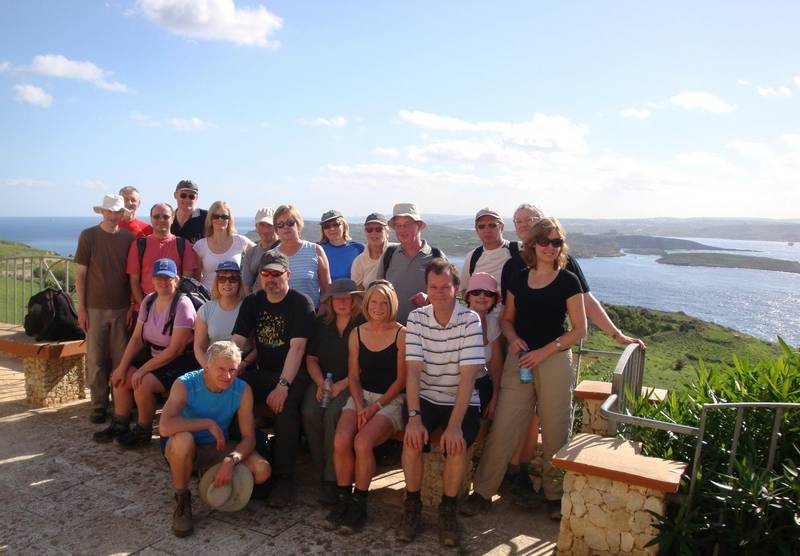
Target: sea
[{"x": 762, "y": 303}]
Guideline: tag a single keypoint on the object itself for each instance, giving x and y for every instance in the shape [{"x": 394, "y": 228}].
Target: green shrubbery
[{"x": 749, "y": 510}]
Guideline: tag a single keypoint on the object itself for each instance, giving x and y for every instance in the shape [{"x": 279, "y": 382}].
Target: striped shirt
[
  {"x": 304, "y": 265},
  {"x": 442, "y": 350}
]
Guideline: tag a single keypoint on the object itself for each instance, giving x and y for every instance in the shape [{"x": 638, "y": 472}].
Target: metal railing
[{"x": 24, "y": 276}]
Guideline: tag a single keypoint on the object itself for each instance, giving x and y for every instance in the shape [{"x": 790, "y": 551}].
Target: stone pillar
[
  {"x": 50, "y": 382},
  {"x": 593, "y": 422}
]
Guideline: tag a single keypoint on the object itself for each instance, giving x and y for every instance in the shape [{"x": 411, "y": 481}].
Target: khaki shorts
[{"x": 392, "y": 411}]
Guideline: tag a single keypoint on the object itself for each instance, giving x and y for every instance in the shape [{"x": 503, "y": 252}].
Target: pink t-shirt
[{"x": 185, "y": 316}]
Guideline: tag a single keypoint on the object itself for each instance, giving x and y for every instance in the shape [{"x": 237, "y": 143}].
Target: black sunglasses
[
  {"x": 191, "y": 196},
  {"x": 491, "y": 225},
  {"x": 291, "y": 222},
  {"x": 487, "y": 293},
  {"x": 220, "y": 217},
  {"x": 545, "y": 241}
]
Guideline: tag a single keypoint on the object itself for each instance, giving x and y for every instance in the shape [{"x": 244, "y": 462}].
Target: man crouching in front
[{"x": 194, "y": 428}]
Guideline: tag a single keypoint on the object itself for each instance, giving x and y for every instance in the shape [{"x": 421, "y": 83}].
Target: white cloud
[
  {"x": 22, "y": 182},
  {"x": 751, "y": 149},
  {"x": 638, "y": 113},
  {"x": 187, "y": 124},
  {"x": 5, "y": 66},
  {"x": 386, "y": 151},
  {"x": 56, "y": 65},
  {"x": 782, "y": 91},
  {"x": 335, "y": 121},
  {"x": 743, "y": 82},
  {"x": 426, "y": 120},
  {"x": 33, "y": 95},
  {"x": 700, "y": 100},
  {"x": 792, "y": 139},
  {"x": 797, "y": 80},
  {"x": 214, "y": 19}
]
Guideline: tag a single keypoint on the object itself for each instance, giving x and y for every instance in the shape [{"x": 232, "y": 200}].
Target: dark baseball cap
[
  {"x": 230, "y": 266},
  {"x": 330, "y": 215},
  {"x": 187, "y": 184},
  {"x": 377, "y": 217},
  {"x": 274, "y": 260}
]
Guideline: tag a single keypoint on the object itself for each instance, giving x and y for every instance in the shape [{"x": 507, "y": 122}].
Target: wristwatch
[
  {"x": 283, "y": 382},
  {"x": 558, "y": 343},
  {"x": 413, "y": 413},
  {"x": 235, "y": 458}
]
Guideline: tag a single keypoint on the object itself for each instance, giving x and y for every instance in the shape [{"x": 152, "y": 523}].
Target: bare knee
[
  {"x": 363, "y": 444},
  {"x": 180, "y": 446},
  {"x": 260, "y": 468},
  {"x": 342, "y": 442}
]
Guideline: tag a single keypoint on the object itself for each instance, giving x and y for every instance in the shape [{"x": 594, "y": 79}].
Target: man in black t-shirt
[
  {"x": 189, "y": 222},
  {"x": 280, "y": 320}
]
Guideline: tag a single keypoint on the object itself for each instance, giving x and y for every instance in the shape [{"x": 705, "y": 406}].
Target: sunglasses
[
  {"x": 191, "y": 196},
  {"x": 545, "y": 241},
  {"x": 487, "y": 293},
  {"x": 228, "y": 279},
  {"x": 160, "y": 216},
  {"x": 530, "y": 219},
  {"x": 329, "y": 225},
  {"x": 272, "y": 273},
  {"x": 382, "y": 282},
  {"x": 291, "y": 222},
  {"x": 220, "y": 217},
  {"x": 490, "y": 225},
  {"x": 373, "y": 229}
]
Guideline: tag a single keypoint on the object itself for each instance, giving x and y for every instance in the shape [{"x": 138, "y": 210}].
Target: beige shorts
[
  {"x": 207, "y": 455},
  {"x": 392, "y": 411}
]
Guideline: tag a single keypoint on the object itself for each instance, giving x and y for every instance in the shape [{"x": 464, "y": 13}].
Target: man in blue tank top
[{"x": 195, "y": 423}]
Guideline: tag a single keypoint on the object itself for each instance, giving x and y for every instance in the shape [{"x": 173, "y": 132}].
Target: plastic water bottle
[
  {"x": 327, "y": 386},
  {"x": 525, "y": 374}
]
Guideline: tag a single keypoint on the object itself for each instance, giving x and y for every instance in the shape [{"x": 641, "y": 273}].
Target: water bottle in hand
[
  {"x": 525, "y": 374},
  {"x": 327, "y": 386}
]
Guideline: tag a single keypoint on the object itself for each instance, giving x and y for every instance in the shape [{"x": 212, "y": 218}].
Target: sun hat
[
  {"x": 406, "y": 209},
  {"x": 264, "y": 215},
  {"x": 186, "y": 184},
  {"x": 165, "y": 267},
  {"x": 482, "y": 281},
  {"x": 342, "y": 287},
  {"x": 330, "y": 215},
  {"x": 113, "y": 203},
  {"x": 274, "y": 260},
  {"x": 376, "y": 217},
  {"x": 494, "y": 213},
  {"x": 230, "y": 266},
  {"x": 231, "y": 497}
]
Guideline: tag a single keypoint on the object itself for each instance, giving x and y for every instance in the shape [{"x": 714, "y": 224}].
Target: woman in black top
[
  {"x": 377, "y": 374},
  {"x": 537, "y": 303}
]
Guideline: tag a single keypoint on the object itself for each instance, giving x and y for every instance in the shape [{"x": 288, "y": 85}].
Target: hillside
[{"x": 725, "y": 260}]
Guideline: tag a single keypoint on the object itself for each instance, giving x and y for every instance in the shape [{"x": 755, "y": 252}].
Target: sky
[{"x": 592, "y": 109}]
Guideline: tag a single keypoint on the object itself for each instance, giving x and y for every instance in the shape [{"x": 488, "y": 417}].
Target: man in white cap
[
  {"x": 195, "y": 425},
  {"x": 251, "y": 261},
  {"x": 133, "y": 201},
  {"x": 104, "y": 298},
  {"x": 404, "y": 265},
  {"x": 189, "y": 221},
  {"x": 494, "y": 250}
]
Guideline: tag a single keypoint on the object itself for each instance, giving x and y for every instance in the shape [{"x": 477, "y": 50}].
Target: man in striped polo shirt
[{"x": 444, "y": 350}]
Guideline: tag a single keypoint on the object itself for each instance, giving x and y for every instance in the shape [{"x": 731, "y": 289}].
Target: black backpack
[
  {"x": 191, "y": 288},
  {"x": 389, "y": 253},
  {"x": 52, "y": 317},
  {"x": 512, "y": 246}
]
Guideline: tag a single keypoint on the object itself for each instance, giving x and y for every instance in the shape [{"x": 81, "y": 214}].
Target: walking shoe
[
  {"x": 137, "y": 436},
  {"x": 182, "y": 524},
  {"x": 328, "y": 493},
  {"x": 356, "y": 516},
  {"x": 522, "y": 492},
  {"x": 475, "y": 504},
  {"x": 554, "y": 509},
  {"x": 111, "y": 432},
  {"x": 449, "y": 528},
  {"x": 98, "y": 415},
  {"x": 409, "y": 524},
  {"x": 335, "y": 517},
  {"x": 282, "y": 492}
]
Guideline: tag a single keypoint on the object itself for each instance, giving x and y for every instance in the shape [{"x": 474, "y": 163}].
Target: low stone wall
[
  {"x": 50, "y": 382},
  {"x": 592, "y": 421}
]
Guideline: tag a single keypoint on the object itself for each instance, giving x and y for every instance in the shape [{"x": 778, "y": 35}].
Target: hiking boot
[
  {"x": 335, "y": 517},
  {"x": 522, "y": 492},
  {"x": 98, "y": 415},
  {"x": 475, "y": 504},
  {"x": 111, "y": 432},
  {"x": 553, "y": 508},
  {"x": 449, "y": 528},
  {"x": 356, "y": 516},
  {"x": 328, "y": 493},
  {"x": 282, "y": 492},
  {"x": 137, "y": 436},
  {"x": 409, "y": 524},
  {"x": 182, "y": 524}
]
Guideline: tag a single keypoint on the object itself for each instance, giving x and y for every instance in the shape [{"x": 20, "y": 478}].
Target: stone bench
[
  {"x": 609, "y": 490},
  {"x": 593, "y": 393},
  {"x": 54, "y": 371}
]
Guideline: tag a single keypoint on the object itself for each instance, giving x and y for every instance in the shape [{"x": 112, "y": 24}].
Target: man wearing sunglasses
[
  {"x": 494, "y": 251},
  {"x": 280, "y": 320},
  {"x": 189, "y": 221}
]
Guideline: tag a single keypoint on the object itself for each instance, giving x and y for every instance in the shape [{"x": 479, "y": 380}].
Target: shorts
[
  {"x": 485, "y": 389},
  {"x": 205, "y": 455},
  {"x": 392, "y": 411},
  {"x": 436, "y": 416},
  {"x": 170, "y": 372}
]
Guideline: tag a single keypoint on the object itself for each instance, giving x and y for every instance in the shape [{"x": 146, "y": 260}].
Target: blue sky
[{"x": 588, "y": 109}]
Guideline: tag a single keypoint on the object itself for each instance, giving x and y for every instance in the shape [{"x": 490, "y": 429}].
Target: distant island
[{"x": 727, "y": 260}]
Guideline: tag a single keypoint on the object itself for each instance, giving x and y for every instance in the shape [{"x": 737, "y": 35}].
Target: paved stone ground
[{"x": 61, "y": 493}]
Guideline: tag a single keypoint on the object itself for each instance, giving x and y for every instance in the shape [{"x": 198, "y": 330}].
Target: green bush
[{"x": 749, "y": 510}]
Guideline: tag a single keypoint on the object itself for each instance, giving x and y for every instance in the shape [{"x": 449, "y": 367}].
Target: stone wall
[
  {"x": 50, "y": 382},
  {"x": 593, "y": 422}
]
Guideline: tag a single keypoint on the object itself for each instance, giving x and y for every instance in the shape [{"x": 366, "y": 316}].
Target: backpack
[
  {"x": 387, "y": 256},
  {"x": 512, "y": 246},
  {"x": 141, "y": 246},
  {"x": 191, "y": 288},
  {"x": 52, "y": 317}
]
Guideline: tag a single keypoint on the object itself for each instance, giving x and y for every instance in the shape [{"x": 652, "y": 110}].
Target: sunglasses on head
[
  {"x": 333, "y": 224},
  {"x": 220, "y": 217},
  {"x": 487, "y": 293},
  {"x": 272, "y": 273},
  {"x": 191, "y": 196},
  {"x": 545, "y": 241},
  {"x": 380, "y": 281},
  {"x": 291, "y": 222},
  {"x": 233, "y": 279},
  {"x": 160, "y": 216},
  {"x": 491, "y": 225},
  {"x": 373, "y": 229}
]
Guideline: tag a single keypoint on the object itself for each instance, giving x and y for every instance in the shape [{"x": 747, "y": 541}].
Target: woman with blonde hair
[
  {"x": 376, "y": 230},
  {"x": 308, "y": 263},
  {"x": 377, "y": 377},
  {"x": 221, "y": 243},
  {"x": 339, "y": 247}
]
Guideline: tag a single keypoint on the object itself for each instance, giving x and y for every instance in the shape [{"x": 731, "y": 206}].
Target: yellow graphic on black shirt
[{"x": 270, "y": 331}]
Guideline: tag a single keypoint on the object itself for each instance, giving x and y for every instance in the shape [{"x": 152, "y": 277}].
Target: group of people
[{"x": 347, "y": 343}]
